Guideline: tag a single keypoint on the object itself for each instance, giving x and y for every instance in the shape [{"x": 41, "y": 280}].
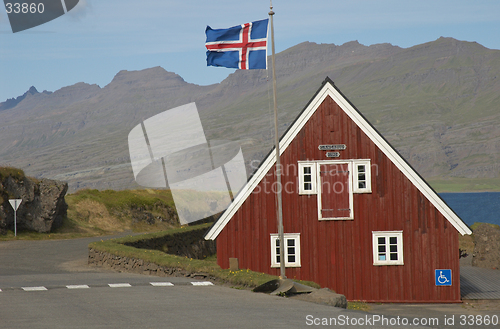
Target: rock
[
  {"x": 190, "y": 244},
  {"x": 145, "y": 214},
  {"x": 486, "y": 246},
  {"x": 324, "y": 296},
  {"x": 43, "y": 207}
]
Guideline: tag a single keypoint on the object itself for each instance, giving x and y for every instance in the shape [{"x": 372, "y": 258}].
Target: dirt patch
[
  {"x": 487, "y": 246},
  {"x": 80, "y": 265},
  {"x": 96, "y": 214},
  {"x": 482, "y": 305}
]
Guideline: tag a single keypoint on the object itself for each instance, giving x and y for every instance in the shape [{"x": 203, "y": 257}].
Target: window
[
  {"x": 307, "y": 178},
  {"x": 362, "y": 176},
  {"x": 292, "y": 250},
  {"x": 388, "y": 248}
]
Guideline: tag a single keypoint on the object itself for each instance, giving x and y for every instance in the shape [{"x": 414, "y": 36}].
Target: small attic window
[
  {"x": 307, "y": 178},
  {"x": 362, "y": 176}
]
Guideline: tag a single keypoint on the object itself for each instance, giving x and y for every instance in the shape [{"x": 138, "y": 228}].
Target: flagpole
[{"x": 281, "y": 235}]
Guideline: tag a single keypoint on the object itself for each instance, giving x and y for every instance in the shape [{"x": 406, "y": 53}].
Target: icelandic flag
[{"x": 240, "y": 47}]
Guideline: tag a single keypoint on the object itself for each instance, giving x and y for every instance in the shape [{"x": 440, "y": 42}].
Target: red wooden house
[{"x": 357, "y": 217}]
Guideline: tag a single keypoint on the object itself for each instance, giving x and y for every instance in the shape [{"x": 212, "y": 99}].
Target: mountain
[
  {"x": 12, "y": 102},
  {"x": 438, "y": 103}
]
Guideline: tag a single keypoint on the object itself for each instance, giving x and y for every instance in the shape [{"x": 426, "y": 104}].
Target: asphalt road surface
[{"x": 47, "y": 284}]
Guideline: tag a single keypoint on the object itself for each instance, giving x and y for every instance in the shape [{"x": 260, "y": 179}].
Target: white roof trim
[{"x": 329, "y": 90}]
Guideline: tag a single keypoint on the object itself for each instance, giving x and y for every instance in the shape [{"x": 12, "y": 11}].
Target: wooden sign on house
[{"x": 364, "y": 223}]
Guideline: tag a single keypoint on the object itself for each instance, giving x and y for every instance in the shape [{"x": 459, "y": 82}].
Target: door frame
[{"x": 320, "y": 192}]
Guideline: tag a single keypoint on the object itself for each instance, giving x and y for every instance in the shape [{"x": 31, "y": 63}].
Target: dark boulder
[{"x": 43, "y": 207}]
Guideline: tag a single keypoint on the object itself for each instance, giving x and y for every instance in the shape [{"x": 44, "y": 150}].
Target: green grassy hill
[{"x": 100, "y": 212}]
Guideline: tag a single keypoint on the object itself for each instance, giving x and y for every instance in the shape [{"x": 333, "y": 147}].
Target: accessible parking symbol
[{"x": 443, "y": 277}]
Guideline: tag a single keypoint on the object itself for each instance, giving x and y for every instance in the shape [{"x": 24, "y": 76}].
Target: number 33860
[{"x": 24, "y": 8}]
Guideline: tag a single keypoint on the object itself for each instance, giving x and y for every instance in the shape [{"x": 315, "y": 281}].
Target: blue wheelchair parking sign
[{"x": 443, "y": 277}]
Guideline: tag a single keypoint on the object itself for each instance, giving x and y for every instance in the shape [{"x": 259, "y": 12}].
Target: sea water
[{"x": 475, "y": 207}]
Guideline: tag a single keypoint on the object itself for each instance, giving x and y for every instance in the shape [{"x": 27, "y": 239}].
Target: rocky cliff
[
  {"x": 486, "y": 246},
  {"x": 43, "y": 207}
]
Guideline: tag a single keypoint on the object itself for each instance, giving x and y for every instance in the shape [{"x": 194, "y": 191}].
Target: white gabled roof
[{"x": 329, "y": 89}]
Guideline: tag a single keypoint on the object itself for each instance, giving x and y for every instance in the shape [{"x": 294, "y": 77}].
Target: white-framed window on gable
[
  {"x": 387, "y": 248},
  {"x": 362, "y": 176},
  {"x": 307, "y": 178},
  {"x": 292, "y": 250}
]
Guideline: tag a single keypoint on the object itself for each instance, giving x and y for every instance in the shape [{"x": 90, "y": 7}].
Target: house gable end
[{"x": 329, "y": 90}]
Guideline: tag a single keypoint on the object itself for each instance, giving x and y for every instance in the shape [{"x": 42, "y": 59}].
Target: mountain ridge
[
  {"x": 12, "y": 102},
  {"x": 437, "y": 103}
]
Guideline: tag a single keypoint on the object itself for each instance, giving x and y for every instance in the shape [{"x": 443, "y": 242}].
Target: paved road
[
  {"x": 479, "y": 283},
  {"x": 154, "y": 307},
  {"x": 35, "y": 275}
]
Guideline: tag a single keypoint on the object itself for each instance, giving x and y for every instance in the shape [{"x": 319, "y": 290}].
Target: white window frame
[
  {"x": 287, "y": 236},
  {"x": 399, "y": 244},
  {"x": 368, "y": 176},
  {"x": 301, "y": 166}
]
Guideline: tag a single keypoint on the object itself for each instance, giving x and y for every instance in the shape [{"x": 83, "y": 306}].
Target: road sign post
[{"x": 15, "y": 204}]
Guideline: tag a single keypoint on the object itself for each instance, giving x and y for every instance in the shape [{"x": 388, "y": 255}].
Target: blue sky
[{"x": 98, "y": 38}]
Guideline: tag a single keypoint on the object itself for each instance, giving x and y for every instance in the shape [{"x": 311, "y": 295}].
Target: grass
[
  {"x": 476, "y": 225},
  {"x": 21, "y": 235},
  {"x": 15, "y": 173},
  {"x": 241, "y": 278},
  {"x": 359, "y": 306},
  {"x": 96, "y": 213},
  {"x": 5, "y": 172},
  {"x": 116, "y": 200},
  {"x": 117, "y": 247},
  {"x": 466, "y": 243},
  {"x": 103, "y": 212},
  {"x": 465, "y": 184}
]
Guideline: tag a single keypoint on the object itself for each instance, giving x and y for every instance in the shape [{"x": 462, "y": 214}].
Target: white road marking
[
  {"x": 202, "y": 283},
  {"x": 119, "y": 285},
  {"x": 161, "y": 284},
  {"x": 78, "y": 286},
  {"x": 34, "y": 288}
]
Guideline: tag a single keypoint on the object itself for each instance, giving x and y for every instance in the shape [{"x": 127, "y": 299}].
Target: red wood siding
[
  {"x": 334, "y": 183},
  {"x": 338, "y": 253}
]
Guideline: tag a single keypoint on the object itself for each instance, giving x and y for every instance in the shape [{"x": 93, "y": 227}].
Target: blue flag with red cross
[{"x": 241, "y": 47}]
